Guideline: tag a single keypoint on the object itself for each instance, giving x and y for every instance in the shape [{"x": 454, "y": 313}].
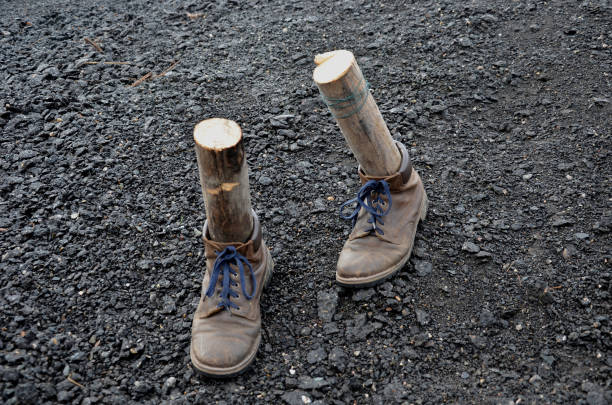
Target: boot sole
[
  {"x": 390, "y": 272},
  {"x": 243, "y": 366}
]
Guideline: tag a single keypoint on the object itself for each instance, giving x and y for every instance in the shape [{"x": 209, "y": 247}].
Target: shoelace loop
[
  {"x": 369, "y": 197},
  {"x": 227, "y": 257}
]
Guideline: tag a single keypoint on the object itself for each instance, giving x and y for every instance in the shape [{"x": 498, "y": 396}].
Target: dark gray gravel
[{"x": 504, "y": 106}]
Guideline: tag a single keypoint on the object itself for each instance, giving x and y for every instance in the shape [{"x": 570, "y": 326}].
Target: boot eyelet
[{"x": 230, "y": 277}]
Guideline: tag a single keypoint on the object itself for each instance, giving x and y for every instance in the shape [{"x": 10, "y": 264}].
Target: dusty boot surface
[
  {"x": 226, "y": 328},
  {"x": 384, "y": 226}
]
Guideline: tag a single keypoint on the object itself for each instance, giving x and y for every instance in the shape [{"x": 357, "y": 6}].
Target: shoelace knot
[{"x": 369, "y": 197}]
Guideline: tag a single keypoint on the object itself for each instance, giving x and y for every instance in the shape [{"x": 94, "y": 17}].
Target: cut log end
[
  {"x": 332, "y": 65},
  {"x": 217, "y": 134},
  {"x": 346, "y": 93},
  {"x": 224, "y": 179}
]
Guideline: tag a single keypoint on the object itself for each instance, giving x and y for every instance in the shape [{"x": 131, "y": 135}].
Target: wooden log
[
  {"x": 224, "y": 179},
  {"x": 346, "y": 92}
]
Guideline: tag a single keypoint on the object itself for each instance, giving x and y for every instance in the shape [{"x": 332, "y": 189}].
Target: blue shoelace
[
  {"x": 229, "y": 256},
  {"x": 369, "y": 197}
]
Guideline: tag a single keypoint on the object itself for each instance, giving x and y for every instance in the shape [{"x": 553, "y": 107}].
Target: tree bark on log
[
  {"x": 224, "y": 179},
  {"x": 346, "y": 93}
]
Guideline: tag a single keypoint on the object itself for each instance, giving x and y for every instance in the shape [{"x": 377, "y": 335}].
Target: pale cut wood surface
[
  {"x": 224, "y": 179},
  {"x": 339, "y": 77}
]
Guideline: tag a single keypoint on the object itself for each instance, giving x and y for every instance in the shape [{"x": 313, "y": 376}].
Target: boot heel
[{"x": 423, "y": 209}]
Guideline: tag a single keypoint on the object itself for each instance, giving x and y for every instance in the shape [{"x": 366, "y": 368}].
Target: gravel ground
[{"x": 504, "y": 105}]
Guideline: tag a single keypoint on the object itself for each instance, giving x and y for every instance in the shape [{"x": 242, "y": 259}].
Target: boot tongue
[
  {"x": 374, "y": 209},
  {"x": 210, "y": 247},
  {"x": 396, "y": 181},
  {"x": 362, "y": 229},
  {"x": 210, "y": 304},
  {"x": 401, "y": 199}
]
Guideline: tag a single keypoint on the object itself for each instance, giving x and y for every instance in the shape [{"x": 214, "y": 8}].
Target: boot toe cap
[
  {"x": 222, "y": 348},
  {"x": 358, "y": 261}
]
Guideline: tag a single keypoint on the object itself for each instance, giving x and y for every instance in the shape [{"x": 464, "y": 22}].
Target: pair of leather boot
[{"x": 226, "y": 329}]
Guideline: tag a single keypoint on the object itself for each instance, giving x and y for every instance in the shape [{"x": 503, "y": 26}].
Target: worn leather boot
[
  {"x": 226, "y": 328},
  {"x": 384, "y": 225}
]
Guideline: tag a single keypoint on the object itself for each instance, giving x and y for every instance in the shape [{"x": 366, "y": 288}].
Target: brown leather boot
[
  {"x": 384, "y": 225},
  {"x": 226, "y": 328}
]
